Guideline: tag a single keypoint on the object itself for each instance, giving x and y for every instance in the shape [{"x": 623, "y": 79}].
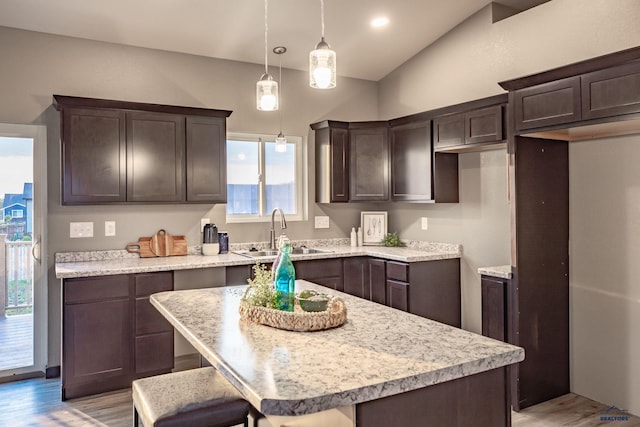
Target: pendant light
[
  {"x": 322, "y": 61},
  {"x": 281, "y": 140},
  {"x": 266, "y": 87}
]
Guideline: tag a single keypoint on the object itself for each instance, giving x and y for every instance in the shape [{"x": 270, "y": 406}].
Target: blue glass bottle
[{"x": 285, "y": 277}]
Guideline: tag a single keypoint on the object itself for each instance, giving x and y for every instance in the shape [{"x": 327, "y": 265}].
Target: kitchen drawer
[
  {"x": 154, "y": 353},
  {"x": 398, "y": 271},
  {"x": 148, "y": 318},
  {"x": 96, "y": 288},
  {"x": 150, "y": 283}
]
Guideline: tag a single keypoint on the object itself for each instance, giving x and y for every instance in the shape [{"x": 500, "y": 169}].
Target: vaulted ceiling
[{"x": 234, "y": 29}]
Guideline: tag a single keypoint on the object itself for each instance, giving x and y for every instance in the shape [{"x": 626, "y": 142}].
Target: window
[
  {"x": 16, "y": 213},
  {"x": 260, "y": 179}
]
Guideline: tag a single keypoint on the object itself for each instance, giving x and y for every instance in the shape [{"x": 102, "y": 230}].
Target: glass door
[{"x": 23, "y": 296}]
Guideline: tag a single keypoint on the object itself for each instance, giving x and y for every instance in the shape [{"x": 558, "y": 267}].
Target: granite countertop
[
  {"x": 379, "y": 352},
  {"x": 501, "y": 271},
  {"x": 104, "y": 263}
]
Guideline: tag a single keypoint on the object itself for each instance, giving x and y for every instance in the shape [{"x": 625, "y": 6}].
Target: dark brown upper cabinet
[
  {"x": 332, "y": 161},
  {"x": 206, "y": 159},
  {"x": 129, "y": 152},
  {"x": 369, "y": 161},
  {"x": 547, "y": 104},
  {"x": 410, "y": 146},
  {"x": 595, "y": 98},
  {"x": 611, "y": 92},
  {"x": 155, "y": 157},
  {"x": 93, "y": 156},
  {"x": 468, "y": 130}
]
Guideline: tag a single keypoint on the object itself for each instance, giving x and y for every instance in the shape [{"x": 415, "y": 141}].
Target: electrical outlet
[
  {"x": 109, "y": 228},
  {"x": 425, "y": 223},
  {"x": 80, "y": 229},
  {"x": 321, "y": 222},
  {"x": 203, "y": 222}
]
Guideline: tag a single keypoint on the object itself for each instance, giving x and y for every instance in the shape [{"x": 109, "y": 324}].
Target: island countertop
[
  {"x": 379, "y": 352},
  {"x": 104, "y": 263}
]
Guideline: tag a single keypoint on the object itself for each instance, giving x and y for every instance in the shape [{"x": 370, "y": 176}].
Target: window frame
[
  {"x": 17, "y": 213},
  {"x": 301, "y": 181}
]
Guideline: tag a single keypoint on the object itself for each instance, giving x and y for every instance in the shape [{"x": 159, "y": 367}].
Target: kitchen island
[{"x": 383, "y": 367}]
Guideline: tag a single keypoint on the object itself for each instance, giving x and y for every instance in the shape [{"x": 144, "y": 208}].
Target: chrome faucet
[{"x": 272, "y": 231}]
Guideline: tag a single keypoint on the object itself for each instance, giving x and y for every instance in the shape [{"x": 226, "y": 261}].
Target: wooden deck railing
[{"x": 16, "y": 282}]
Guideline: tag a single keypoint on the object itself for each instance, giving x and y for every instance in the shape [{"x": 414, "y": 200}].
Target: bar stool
[{"x": 196, "y": 397}]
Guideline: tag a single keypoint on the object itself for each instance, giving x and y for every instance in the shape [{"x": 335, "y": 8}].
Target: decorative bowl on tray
[{"x": 310, "y": 300}]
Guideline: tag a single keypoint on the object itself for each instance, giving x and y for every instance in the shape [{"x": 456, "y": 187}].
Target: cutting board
[
  {"x": 160, "y": 244},
  {"x": 141, "y": 247},
  {"x": 164, "y": 244}
]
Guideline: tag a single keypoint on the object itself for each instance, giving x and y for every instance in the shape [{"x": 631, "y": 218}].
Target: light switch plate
[
  {"x": 109, "y": 228},
  {"x": 322, "y": 222},
  {"x": 425, "y": 223},
  {"x": 80, "y": 229}
]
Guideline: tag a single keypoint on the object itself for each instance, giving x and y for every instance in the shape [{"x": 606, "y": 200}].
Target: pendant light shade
[
  {"x": 281, "y": 143},
  {"x": 322, "y": 66},
  {"x": 322, "y": 61},
  {"x": 267, "y": 93},
  {"x": 266, "y": 87}
]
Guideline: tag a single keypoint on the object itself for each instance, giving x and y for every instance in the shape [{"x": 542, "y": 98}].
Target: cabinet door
[
  {"x": 377, "y": 281},
  {"x": 398, "y": 295},
  {"x": 483, "y": 125},
  {"x": 155, "y": 155},
  {"x": 411, "y": 161},
  {"x": 93, "y": 156},
  {"x": 206, "y": 160},
  {"x": 548, "y": 104},
  {"x": 153, "y": 346},
  {"x": 325, "y": 272},
  {"x": 332, "y": 164},
  {"x": 369, "y": 162},
  {"x": 97, "y": 336},
  {"x": 356, "y": 277},
  {"x": 611, "y": 92},
  {"x": 494, "y": 320},
  {"x": 448, "y": 131}
]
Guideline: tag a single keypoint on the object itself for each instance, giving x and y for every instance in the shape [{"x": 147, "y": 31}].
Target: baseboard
[
  {"x": 52, "y": 372},
  {"x": 20, "y": 377}
]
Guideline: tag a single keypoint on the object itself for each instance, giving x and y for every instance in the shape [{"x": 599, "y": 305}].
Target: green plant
[
  {"x": 392, "y": 239},
  {"x": 261, "y": 291}
]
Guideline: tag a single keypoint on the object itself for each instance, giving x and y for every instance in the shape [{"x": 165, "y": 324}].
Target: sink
[
  {"x": 309, "y": 251},
  {"x": 269, "y": 252}
]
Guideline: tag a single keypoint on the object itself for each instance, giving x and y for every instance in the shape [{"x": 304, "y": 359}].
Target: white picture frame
[{"x": 374, "y": 227}]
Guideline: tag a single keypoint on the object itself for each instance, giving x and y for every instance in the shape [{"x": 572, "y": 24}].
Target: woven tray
[{"x": 298, "y": 320}]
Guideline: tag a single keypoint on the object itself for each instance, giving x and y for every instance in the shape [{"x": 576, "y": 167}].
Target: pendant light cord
[
  {"x": 322, "y": 18},
  {"x": 280, "y": 89},
  {"x": 266, "y": 69}
]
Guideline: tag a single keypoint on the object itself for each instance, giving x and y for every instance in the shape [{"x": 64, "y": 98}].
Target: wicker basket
[{"x": 298, "y": 320}]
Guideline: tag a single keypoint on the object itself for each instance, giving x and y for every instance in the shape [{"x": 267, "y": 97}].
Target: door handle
[{"x": 35, "y": 245}]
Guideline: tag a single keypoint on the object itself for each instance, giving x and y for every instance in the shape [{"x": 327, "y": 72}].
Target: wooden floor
[
  {"x": 16, "y": 341},
  {"x": 37, "y": 402}
]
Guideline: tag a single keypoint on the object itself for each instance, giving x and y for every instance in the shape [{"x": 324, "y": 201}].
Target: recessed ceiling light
[{"x": 380, "y": 22}]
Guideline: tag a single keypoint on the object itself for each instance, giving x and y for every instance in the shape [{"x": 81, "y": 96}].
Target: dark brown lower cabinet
[
  {"x": 111, "y": 334},
  {"x": 429, "y": 289},
  {"x": 495, "y": 311},
  {"x": 325, "y": 272}
]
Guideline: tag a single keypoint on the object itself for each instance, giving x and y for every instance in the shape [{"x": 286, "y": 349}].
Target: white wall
[
  {"x": 604, "y": 270},
  {"x": 466, "y": 64}
]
